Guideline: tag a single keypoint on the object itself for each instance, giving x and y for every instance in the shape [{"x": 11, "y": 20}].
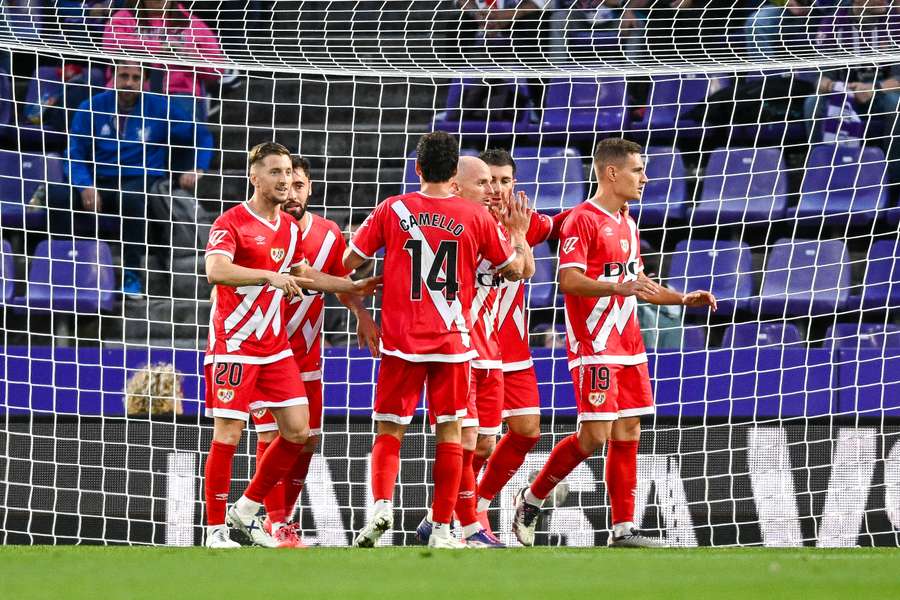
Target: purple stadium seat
[
  {"x": 665, "y": 195},
  {"x": 542, "y": 285},
  {"x": 751, "y": 335},
  {"x": 841, "y": 182},
  {"x": 20, "y": 175},
  {"x": 554, "y": 178},
  {"x": 742, "y": 185},
  {"x": 670, "y": 97},
  {"x": 8, "y": 273},
  {"x": 805, "y": 277},
  {"x": 600, "y": 40},
  {"x": 723, "y": 267},
  {"x": 7, "y": 106},
  {"x": 862, "y": 335},
  {"x": 72, "y": 277},
  {"x": 583, "y": 107},
  {"x": 507, "y": 108},
  {"x": 881, "y": 288},
  {"x": 694, "y": 337},
  {"x": 43, "y": 122}
]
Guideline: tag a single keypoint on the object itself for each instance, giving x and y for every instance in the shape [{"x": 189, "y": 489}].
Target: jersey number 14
[{"x": 440, "y": 266}]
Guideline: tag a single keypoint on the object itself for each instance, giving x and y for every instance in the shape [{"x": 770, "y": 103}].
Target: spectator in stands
[
  {"x": 867, "y": 89},
  {"x": 597, "y": 17},
  {"x": 119, "y": 156},
  {"x": 165, "y": 27},
  {"x": 496, "y": 23},
  {"x": 154, "y": 390},
  {"x": 780, "y": 28},
  {"x": 82, "y": 20}
]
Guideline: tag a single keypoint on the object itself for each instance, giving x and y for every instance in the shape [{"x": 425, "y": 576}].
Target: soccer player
[
  {"x": 323, "y": 245},
  {"x": 601, "y": 276},
  {"x": 521, "y": 403},
  {"x": 432, "y": 241},
  {"x": 485, "y": 404},
  {"x": 254, "y": 258}
]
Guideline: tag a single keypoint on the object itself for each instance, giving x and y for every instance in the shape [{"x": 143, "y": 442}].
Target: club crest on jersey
[
  {"x": 225, "y": 395},
  {"x": 569, "y": 244},
  {"x": 597, "y": 398},
  {"x": 259, "y": 414},
  {"x": 624, "y": 245},
  {"x": 277, "y": 254}
]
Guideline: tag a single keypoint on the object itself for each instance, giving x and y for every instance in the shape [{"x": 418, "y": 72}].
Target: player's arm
[
  {"x": 572, "y": 280},
  {"x": 352, "y": 260},
  {"x": 667, "y": 296},
  {"x": 221, "y": 270},
  {"x": 367, "y": 330},
  {"x": 313, "y": 279}
]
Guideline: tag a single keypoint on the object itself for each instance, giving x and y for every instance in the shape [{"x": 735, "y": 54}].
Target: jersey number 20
[{"x": 437, "y": 281}]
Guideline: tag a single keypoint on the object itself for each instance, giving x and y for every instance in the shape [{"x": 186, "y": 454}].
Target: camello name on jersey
[{"x": 432, "y": 220}]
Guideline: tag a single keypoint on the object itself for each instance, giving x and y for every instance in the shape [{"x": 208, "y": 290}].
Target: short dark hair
[
  {"x": 301, "y": 163},
  {"x": 498, "y": 157},
  {"x": 260, "y": 152},
  {"x": 437, "y": 154},
  {"x": 614, "y": 150}
]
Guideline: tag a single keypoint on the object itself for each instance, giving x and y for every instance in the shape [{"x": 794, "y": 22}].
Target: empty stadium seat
[
  {"x": 507, "y": 108},
  {"x": 881, "y": 287},
  {"x": 862, "y": 335},
  {"x": 742, "y": 185},
  {"x": 20, "y": 175},
  {"x": 72, "y": 277},
  {"x": 542, "y": 285},
  {"x": 554, "y": 178},
  {"x": 584, "y": 107},
  {"x": 843, "y": 182},
  {"x": 722, "y": 267},
  {"x": 749, "y": 335},
  {"x": 665, "y": 195},
  {"x": 804, "y": 277},
  {"x": 8, "y": 273},
  {"x": 669, "y": 98},
  {"x": 7, "y": 107}
]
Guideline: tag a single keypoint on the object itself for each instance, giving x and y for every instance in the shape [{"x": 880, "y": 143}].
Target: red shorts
[
  {"x": 485, "y": 402},
  {"x": 235, "y": 389},
  {"x": 264, "y": 421},
  {"x": 607, "y": 392},
  {"x": 400, "y": 384},
  {"x": 520, "y": 393}
]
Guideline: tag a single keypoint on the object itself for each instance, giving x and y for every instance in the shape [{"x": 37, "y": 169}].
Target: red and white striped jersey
[
  {"x": 432, "y": 247},
  {"x": 485, "y": 334},
  {"x": 323, "y": 246},
  {"x": 246, "y": 324},
  {"x": 607, "y": 248}
]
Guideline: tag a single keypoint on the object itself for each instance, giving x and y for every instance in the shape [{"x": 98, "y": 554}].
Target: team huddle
[{"x": 453, "y": 323}]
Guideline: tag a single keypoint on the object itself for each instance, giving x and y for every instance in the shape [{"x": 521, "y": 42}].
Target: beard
[{"x": 296, "y": 210}]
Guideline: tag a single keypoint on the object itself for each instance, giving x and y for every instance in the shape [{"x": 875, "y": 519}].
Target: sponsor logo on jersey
[
  {"x": 615, "y": 269},
  {"x": 569, "y": 244},
  {"x": 216, "y": 237},
  {"x": 488, "y": 279},
  {"x": 624, "y": 245},
  {"x": 597, "y": 398},
  {"x": 225, "y": 395},
  {"x": 277, "y": 254}
]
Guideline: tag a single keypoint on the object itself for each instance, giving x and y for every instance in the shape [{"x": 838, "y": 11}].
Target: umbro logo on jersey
[
  {"x": 569, "y": 244},
  {"x": 216, "y": 237},
  {"x": 597, "y": 398},
  {"x": 277, "y": 254},
  {"x": 260, "y": 240},
  {"x": 225, "y": 395},
  {"x": 624, "y": 245},
  {"x": 607, "y": 231}
]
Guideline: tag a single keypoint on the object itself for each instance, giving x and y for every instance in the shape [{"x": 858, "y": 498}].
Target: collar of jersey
[
  {"x": 264, "y": 221},
  {"x": 616, "y": 218}
]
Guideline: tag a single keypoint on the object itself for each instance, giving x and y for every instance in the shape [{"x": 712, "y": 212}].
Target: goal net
[{"x": 772, "y": 152}]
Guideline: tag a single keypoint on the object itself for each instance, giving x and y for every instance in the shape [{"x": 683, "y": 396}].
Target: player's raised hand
[
  {"x": 700, "y": 298},
  {"x": 367, "y": 286},
  {"x": 368, "y": 333},
  {"x": 642, "y": 288},
  {"x": 516, "y": 214}
]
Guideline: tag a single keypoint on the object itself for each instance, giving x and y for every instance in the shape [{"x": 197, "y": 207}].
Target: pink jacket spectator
[{"x": 151, "y": 36}]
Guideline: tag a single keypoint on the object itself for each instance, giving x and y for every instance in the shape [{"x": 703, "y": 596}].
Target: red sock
[
  {"x": 448, "y": 459},
  {"x": 508, "y": 456},
  {"x": 465, "y": 499},
  {"x": 279, "y": 457},
  {"x": 273, "y": 500},
  {"x": 621, "y": 478},
  {"x": 217, "y": 481},
  {"x": 385, "y": 466},
  {"x": 294, "y": 481},
  {"x": 565, "y": 457},
  {"x": 477, "y": 464}
]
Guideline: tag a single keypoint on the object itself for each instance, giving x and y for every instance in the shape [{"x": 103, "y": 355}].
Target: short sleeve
[
  {"x": 538, "y": 229},
  {"x": 574, "y": 238},
  {"x": 369, "y": 238},
  {"x": 222, "y": 239},
  {"x": 558, "y": 221},
  {"x": 335, "y": 264},
  {"x": 299, "y": 258},
  {"x": 495, "y": 246}
]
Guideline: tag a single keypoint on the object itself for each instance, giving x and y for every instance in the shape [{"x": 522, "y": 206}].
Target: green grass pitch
[{"x": 119, "y": 573}]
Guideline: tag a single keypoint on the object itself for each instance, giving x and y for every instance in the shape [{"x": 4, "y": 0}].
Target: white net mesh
[{"x": 771, "y": 144}]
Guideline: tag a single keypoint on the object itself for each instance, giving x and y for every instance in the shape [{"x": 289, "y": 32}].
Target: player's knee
[
  {"x": 485, "y": 446},
  {"x": 627, "y": 429},
  {"x": 267, "y": 436},
  {"x": 592, "y": 439},
  {"x": 526, "y": 426},
  {"x": 228, "y": 431},
  {"x": 296, "y": 435}
]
